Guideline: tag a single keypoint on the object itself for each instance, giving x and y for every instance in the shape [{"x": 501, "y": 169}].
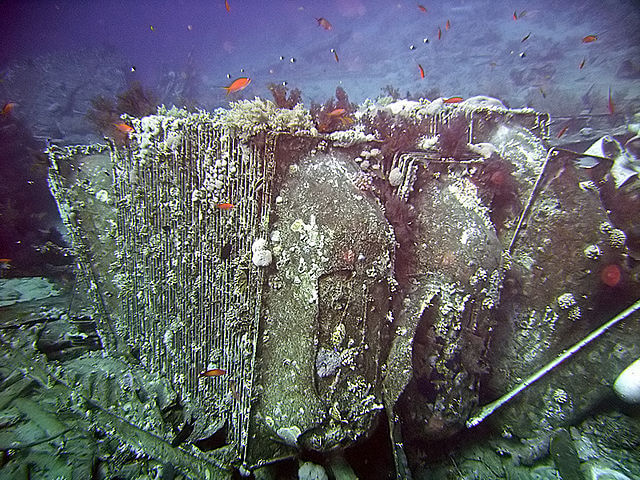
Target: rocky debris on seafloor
[
  {"x": 14, "y": 290},
  {"x": 58, "y": 417},
  {"x": 63, "y": 337}
]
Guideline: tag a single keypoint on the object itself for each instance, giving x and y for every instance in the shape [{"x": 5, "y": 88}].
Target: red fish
[
  {"x": 590, "y": 38},
  {"x": 123, "y": 127},
  {"x": 8, "y": 108},
  {"x": 421, "y": 71},
  {"x": 610, "y": 103},
  {"x": 563, "y": 131},
  {"x": 422, "y": 8},
  {"x": 337, "y": 112},
  {"x": 453, "y": 100},
  {"x": 439, "y": 33},
  {"x": 237, "y": 85},
  {"x": 227, "y": 6},
  {"x": 213, "y": 372},
  {"x": 515, "y": 15},
  {"x": 324, "y": 23},
  {"x": 582, "y": 63},
  {"x": 448, "y": 25},
  {"x": 225, "y": 206}
]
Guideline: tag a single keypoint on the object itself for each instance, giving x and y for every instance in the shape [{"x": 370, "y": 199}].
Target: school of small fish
[{"x": 241, "y": 83}]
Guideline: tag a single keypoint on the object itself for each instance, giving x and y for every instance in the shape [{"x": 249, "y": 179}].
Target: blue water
[
  {"x": 479, "y": 54},
  {"x": 57, "y": 57}
]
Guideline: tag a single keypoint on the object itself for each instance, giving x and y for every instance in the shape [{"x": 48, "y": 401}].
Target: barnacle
[
  {"x": 617, "y": 238},
  {"x": 566, "y": 300},
  {"x": 592, "y": 252}
]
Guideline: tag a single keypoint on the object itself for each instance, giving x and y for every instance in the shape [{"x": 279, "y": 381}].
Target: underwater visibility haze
[{"x": 320, "y": 239}]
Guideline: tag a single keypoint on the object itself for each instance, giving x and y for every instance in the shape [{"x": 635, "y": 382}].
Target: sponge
[{"x": 627, "y": 385}]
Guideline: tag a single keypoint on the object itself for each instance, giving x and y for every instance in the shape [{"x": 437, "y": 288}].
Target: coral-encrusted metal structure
[
  {"x": 189, "y": 201},
  {"x": 163, "y": 229}
]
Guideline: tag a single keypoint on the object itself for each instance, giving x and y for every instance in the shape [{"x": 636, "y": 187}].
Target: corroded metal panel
[{"x": 191, "y": 200}]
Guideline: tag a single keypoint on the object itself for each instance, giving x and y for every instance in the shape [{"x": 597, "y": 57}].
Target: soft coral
[
  {"x": 325, "y": 117},
  {"x": 105, "y": 112},
  {"x": 283, "y": 98}
]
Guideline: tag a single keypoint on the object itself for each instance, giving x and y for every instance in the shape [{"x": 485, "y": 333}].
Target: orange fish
[
  {"x": 324, "y": 23},
  {"x": 5, "y": 261},
  {"x": 439, "y": 33},
  {"x": 453, "y": 100},
  {"x": 582, "y": 63},
  {"x": 346, "y": 121},
  {"x": 123, "y": 127},
  {"x": 227, "y": 6},
  {"x": 448, "y": 25},
  {"x": 422, "y": 8},
  {"x": 563, "y": 131},
  {"x": 237, "y": 85},
  {"x": 590, "y": 38},
  {"x": 213, "y": 372},
  {"x": 421, "y": 71},
  {"x": 337, "y": 112},
  {"x": 335, "y": 54},
  {"x": 610, "y": 103},
  {"x": 8, "y": 108},
  {"x": 225, "y": 206}
]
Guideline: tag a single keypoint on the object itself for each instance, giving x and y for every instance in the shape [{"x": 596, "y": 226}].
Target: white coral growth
[
  {"x": 261, "y": 255},
  {"x": 311, "y": 471}
]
